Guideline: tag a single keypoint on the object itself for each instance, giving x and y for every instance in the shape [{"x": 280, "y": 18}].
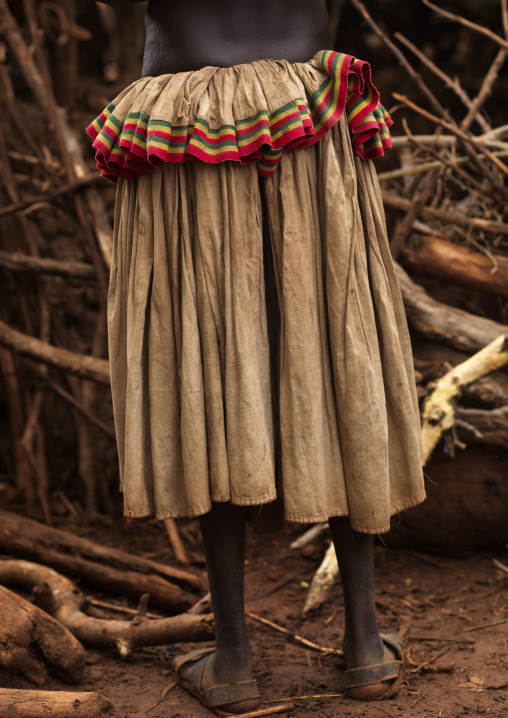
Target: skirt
[{"x": 258, "y": 342}]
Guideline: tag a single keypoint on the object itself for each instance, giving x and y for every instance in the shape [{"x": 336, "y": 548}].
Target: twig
[
  {"x": 20, "y": 262},
  {"x": 262, "y": 711},
  {"x": 485, "y": 625},
  {"x": 418, "y": 202},
  {"x": 504, "y": 13},
  {"x": 32, "y": 203},
  {"x": 426, "y": 166},
  {"x": 452, "y": 84},
  {"x": 430, "y": 661},
  {"x": 452, "y": 128},
  {"x": 295, "y": 636},
  {"x": 390, "y": 199},
  {"x": 400, "y": 57},
  {"x": 485, "y": 91},
  {"x": 176, "y": 541},
  {"x": 467, "y": 23},
  {"x": 500, "y": 565},
  {"x": 164, "y": 695},
  {"x": 438, "y": 639},
  {"x": 305, "y": 698},
  {"x": 309, "y": 536},
  {"x": 120, "y": 609}
]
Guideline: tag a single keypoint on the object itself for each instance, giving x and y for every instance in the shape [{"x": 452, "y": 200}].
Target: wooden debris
[
  {"x": 438, "y": 413},
  {"x": 35, "y": 644},
  {"x": 309, "y": 536},
  {"x": 295, "y": 636},
  {"x": 59, "y": 597},
  {"x": 101, "y": 566},
  {"x": 323, "y": 580},
  {"x": 57, "y": 704},
  {"x": 176, "y": 541}
]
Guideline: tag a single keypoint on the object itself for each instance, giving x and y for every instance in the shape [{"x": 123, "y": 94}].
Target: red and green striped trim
[{"x": 136, "y": 145}]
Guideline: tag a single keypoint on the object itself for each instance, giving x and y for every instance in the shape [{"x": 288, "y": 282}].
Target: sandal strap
[
  {"x": 356, "y": 677},
  {"x": 230, "y": 693}
]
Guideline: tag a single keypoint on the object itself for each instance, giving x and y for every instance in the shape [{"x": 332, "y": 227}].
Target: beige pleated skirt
[{"x": 258, "y": 342}]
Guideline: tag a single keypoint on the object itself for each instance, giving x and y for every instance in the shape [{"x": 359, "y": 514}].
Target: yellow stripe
[
  {"x": 162, "y": 146},
  {"x": 209, "y": 150},
  {"x": 247, "y": 140},
  {"x": 170, "y": 132}
]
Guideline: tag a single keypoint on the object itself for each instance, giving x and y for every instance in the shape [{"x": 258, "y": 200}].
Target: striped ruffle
[{"x": 246, "y": 113}]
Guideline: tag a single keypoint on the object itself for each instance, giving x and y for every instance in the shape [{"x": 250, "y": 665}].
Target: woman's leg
[{"x": 362, "y": 643}]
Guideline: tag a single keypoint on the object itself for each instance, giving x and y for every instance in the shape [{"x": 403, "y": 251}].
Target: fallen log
[
  {"x": 445, "y": 324},
  {"x": 101, "y": 566},
  {"x": 20, "y": 262},
  {"x": 57, "y": 704},
  {"x": 81, "y": 365},
  {"x": 60, "y": 598},
  {"x": 35, "y": 644},
  {"x": 478, "y": 426},
  {"x": 456, "y": 264},
  {"x": 438, "y": 414}
]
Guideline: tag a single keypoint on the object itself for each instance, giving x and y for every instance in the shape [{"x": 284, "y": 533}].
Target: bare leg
[
  {"x": 223, "y": 531},
  {"x": 362, "y": 643}
]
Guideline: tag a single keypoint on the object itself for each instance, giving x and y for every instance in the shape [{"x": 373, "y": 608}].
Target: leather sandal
[
  {"x": 369, "y": 676},
  {"x": 237, "y": 696}
]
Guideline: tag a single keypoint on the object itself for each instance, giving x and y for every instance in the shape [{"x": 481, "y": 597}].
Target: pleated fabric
[{"x": 258, "y": 342}]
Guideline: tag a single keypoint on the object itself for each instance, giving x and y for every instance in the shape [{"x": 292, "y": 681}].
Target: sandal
[
  {"x": 236, "y": 697},
  {"x": 370, "y": 676}
]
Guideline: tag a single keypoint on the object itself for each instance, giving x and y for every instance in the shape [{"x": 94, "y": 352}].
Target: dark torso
[{"x": 189, "y": 34}]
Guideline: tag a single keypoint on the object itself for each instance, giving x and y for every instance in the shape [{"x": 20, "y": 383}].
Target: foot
[
  {"x": 224, "y": 686},
  {"x": 374, "y": 667}
]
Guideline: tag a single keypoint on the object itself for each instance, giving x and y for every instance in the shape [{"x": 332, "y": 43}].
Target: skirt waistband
[{"x": 245, "y": 113}]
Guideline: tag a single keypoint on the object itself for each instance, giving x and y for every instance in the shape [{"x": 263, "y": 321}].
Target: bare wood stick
[
  {"x": 438, "y": 413},
  {"x": 69, "y": 398},
  {"x": 452, "y": 128},
  {"x": 58, "y": 704},
  {"x": 452, "y": 84},
  {"x": 59, "y": 597},
  {"x": 500, "y": 565},
  {"x": 323, "y": 580},
  {"x": 485, "y": 91},
  {"x": 81, "y": 365},
  {"x": 292, "y": 634},
  {"x": 430, "y": 661},
  {"x": 457, "y": 264},
  {"x": 285, "y": 708},
  {"x": 28, "y": 205},
  {"x": 418, "y": 202},
  {"x": 176, "y": 541},
  {"x": 309, "y": 536},
  {"x": 467, "y": 23},
  {"x": 360, "y": 7},
  {"x": 390, "y": 199},
  {"x": 485, "y": 625}
]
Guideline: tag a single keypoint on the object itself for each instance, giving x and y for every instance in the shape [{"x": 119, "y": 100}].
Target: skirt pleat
[{"x": 214, "y": 399}]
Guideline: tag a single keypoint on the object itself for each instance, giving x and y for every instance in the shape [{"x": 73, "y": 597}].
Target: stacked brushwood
[
  {"x": 447, "y": 215},
  {"x": 446, "y": 209}
]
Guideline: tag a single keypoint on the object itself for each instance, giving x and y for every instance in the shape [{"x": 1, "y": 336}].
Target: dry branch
[
  {"x": 108, "y": 568},
  {"x": 81, "y": 365},
  {"x": 59, "y": 597},
  {"x": 57, "y": 704},
  {"x": 467, "y": 23},
  {"x": 438, "y": 413},
  {"x": 32, "y": 203},
  {"x": 33, "y": 643},
  {"x": 457, "y": 264},
  {"x": 390, "y": 199},
  {"x": 24, "y": 263},
  {"x": 322, "y": 582}
]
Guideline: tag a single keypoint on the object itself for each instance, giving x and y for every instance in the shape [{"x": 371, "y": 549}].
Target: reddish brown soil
[{"x": 434, "y": 600}]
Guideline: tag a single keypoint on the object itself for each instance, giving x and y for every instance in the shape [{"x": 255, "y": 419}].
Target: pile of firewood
[
  {"x": 47, "y": 636},
  {"x": 446, "y": 204}
]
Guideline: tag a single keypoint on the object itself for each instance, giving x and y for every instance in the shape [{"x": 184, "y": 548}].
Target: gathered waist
[{"x": 251, "y": 112}]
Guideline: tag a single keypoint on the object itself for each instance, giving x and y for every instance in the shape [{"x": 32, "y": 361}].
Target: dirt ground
[{"x": 452, "y": 611}]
